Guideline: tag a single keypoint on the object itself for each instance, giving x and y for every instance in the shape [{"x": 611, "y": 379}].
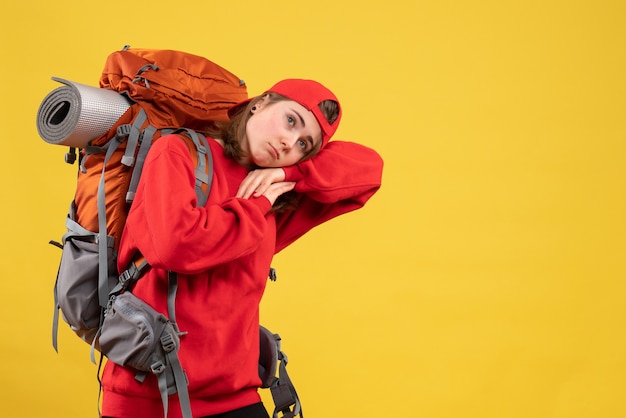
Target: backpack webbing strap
[
  {"x": 94, "y": 343},
  {"x": 146, "y": 142},
  {"x": 173, "y": 367},
  {"x": 74, "y": 229},
  {"x": 55, "y": 316},
  {"x": 181, "y": 383},
  {"x": 103, "y": 273},
  {"x": 283, "y": 392},
  {"x": 172, "y": 287},
  {"x": 133, "y": 138},
  {"x": 130, "y": 275},
  {"x": 204, "y": 167},
  {"x": 162, "y": 381}
]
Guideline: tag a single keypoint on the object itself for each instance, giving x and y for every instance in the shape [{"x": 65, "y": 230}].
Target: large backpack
[{"x": 157, "y": 92}]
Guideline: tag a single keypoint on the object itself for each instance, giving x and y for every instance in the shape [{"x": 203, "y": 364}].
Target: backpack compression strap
[
  {"x": 283, "y": 392},
  {"x": 173, "y": 368},
  {"x": 103, "y": 273}
]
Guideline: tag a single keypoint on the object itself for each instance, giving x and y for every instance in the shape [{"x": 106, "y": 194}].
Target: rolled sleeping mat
[{"x": 75, "y": 114}]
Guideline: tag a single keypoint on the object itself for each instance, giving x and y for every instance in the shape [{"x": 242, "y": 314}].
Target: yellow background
[{"x": 484, "y": 280}]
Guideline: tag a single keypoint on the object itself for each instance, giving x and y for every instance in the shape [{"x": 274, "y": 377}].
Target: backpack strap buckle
[
  {"x": 125, "y": 276},
  {"x": 285, "y": 400},
  {"x": 158, "y": 367},
  {"x": 168, "y": 343},
  {"x": 123, "y": 131}
]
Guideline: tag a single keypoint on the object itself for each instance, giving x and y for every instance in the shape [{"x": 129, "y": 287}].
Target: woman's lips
[{"x": 274, "y": 151}]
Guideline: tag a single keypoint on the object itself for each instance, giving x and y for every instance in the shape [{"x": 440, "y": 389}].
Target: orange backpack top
[
  {"x": 170, "y": 89},
  {"x": 176, "y": 89}
]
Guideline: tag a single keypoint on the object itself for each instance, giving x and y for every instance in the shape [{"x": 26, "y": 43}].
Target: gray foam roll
[{"x": 75, "y": 114}]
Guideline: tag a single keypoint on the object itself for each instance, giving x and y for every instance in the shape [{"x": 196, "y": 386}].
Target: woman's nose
[{"x": 288, "y": 141}]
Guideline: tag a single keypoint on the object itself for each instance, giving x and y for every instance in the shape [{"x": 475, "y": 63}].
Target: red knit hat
[{"x": 309, "y": 94}]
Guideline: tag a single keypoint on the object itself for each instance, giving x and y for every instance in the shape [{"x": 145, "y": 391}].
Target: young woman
[{"x": 276, "y": 176}]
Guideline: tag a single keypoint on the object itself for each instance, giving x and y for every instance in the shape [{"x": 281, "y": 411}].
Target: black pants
[{"x": 256, "y": 410}]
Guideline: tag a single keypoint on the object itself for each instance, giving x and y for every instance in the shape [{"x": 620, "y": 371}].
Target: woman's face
[{"x": 280, "y": 134}]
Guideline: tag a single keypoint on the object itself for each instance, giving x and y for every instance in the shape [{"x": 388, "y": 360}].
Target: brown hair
[{"x": 233, "y": 132}]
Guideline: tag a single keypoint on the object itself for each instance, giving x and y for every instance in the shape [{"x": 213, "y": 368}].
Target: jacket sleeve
[
  {"x": 166, "y": 225},
  {"x": 340, "y": 179}
]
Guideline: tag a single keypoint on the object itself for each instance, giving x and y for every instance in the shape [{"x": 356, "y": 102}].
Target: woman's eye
[
  {"x": 302, "y": 144},
  {"x": 291, "y": 120}
]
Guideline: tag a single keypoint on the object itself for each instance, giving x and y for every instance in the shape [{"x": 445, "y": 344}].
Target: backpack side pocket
[{"x": 77, "y": 285}]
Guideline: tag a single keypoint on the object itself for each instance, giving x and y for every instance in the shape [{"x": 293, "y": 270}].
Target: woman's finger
[
  {"x": 258, "y": 181},
  {"x": 276, "y": 189}
]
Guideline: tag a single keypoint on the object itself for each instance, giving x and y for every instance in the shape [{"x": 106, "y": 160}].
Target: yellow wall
[{"x": 485, "y": 280}]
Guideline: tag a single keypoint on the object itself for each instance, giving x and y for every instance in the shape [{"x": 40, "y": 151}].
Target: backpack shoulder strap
[{"x": 203, "y": 158}]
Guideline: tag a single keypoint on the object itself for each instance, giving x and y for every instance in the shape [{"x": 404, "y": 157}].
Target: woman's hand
[{"x": 268, "y": 182}]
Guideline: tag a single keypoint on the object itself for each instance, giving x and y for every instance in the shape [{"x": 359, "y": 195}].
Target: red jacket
[{"x": 222, "y": 252}]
